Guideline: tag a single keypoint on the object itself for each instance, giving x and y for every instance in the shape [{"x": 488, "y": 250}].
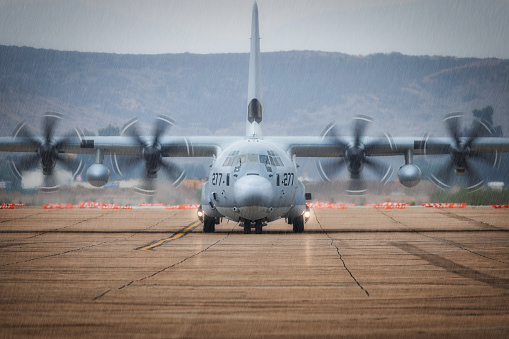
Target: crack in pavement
[
  {"x": 27, "y": 216},
  {"x": 449, "y": 242},
  {"x": 83, "y": 247},
  {"x": 165, "y": 268},
  {"x": 53, "y": 230},
  {"x": 15, "y": 219},
  {"x": 63, "y": 228},
  {"x": 332, "y": 243},
  {"x": 54, "y": 254},
  {"x": 147, "y": 228}
]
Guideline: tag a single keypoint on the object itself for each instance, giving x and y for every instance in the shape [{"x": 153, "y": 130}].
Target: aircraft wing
[
  {"x": 383, "y": 146},
  {"x": 308, "y": 146},
  {"x": 201, "y": 146},
  {"x": 148, "y": 150},
  {"x": 357, "y": 152}
]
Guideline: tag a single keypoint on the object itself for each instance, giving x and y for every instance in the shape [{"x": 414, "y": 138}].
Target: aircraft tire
[
  {"x": 298, "y": 224},
  {"x": 247, "y": 227},
  {"x": 258, "y": 227},
  {"x": 209, "y": 224}
]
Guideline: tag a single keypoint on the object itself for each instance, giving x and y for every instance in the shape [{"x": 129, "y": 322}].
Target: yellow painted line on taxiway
[{"x": 177, "y": 235}]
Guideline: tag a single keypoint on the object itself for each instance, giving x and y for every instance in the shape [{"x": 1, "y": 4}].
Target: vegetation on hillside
[{"x": 481, "y": 197}]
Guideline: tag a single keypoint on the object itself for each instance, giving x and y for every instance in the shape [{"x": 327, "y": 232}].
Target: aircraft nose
[{"x": 253, "y": 190}]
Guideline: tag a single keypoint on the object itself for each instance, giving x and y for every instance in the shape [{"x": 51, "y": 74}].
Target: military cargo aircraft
[{"x": 253, "y": 178}]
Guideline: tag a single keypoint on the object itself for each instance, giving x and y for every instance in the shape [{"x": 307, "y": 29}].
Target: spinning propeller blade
[
  {"x": 461, "y": 157},
  {"x": 355, "y": 158},
  {"x": 151, "y": 156},
  {"x": 47, "y": 152}
]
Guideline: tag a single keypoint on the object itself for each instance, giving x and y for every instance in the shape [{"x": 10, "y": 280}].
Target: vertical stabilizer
[{"x": 254, "y": 91}]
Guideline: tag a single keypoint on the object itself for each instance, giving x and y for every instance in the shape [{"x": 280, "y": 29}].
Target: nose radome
[{"x": 253, "y": 190}]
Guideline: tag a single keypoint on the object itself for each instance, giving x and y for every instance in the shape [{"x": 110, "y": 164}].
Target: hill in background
[{"x": 206, "y": 94}]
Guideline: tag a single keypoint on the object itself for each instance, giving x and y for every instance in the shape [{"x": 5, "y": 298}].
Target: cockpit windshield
[{"x": 269, "y": 159}]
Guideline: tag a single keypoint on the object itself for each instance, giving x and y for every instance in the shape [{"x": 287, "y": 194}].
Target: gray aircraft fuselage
[{"x": 252, "y": 180}]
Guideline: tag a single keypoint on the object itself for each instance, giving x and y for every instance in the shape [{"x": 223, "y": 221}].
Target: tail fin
[{"x": 254, "y": 91}]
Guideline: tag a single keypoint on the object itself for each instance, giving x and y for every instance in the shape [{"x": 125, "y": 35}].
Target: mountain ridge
[{"x": 207, "y": 93}]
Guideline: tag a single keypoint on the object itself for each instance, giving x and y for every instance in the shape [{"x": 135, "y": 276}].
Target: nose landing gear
[
  {"x": 258, "y": 226},
  {"x": 247, "y": 227}
]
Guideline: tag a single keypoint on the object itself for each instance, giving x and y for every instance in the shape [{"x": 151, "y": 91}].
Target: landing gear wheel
[
  {"x": 209, "y": 224},
  {"x": 247, "y": 227},
  {"x": 258, "y": 227},
  {"x": 298, "y": 224}
]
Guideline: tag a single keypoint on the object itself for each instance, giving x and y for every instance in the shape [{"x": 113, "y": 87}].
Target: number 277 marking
[
  {"x": 287, "y": 179},
  {"x": 217, "y": 178}
]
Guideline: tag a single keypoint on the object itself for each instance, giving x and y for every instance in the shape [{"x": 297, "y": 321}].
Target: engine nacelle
[
  {"x": 409, "y": 175},
  {"x": 98, "y": 175}
]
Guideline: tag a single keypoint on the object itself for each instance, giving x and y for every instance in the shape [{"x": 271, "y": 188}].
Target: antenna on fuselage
[{"x": 254, "y": 91}]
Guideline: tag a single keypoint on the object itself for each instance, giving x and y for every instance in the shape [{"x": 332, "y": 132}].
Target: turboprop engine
[
  {"x": 409, "y": 175},
  {"x": 98, "y": 174}
]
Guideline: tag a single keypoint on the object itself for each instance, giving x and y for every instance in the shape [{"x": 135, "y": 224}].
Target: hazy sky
[{"x": 463, "y": 28}]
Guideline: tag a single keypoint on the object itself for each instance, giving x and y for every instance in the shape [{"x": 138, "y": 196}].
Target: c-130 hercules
[{"x": 253, "y": 179}]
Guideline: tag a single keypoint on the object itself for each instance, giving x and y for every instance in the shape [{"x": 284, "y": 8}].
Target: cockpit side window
[
  {"x": 264, "y": 159},
  {"x": 229, "y": 161},
  {"x": 275, "y": 160}
]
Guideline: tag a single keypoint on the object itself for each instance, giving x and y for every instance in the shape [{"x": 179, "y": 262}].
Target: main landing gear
[
  {"x": 209, "y": 224},
  {"x": 298, "y": 224}
]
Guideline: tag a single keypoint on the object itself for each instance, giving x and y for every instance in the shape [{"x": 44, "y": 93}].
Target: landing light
[
  {"x": 307, "y": 214},
  {"x": 200, "y": 214}
]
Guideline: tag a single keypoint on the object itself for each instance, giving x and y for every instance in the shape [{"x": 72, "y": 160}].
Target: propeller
[
  {"x": 151, "y": 155},
  {"x": 461, "y": 154},
  {"x": 47, "y": 152},
  {"x": 354, "y": 159}
]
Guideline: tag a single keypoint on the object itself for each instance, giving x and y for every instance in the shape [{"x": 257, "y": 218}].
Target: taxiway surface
[{"x": 354, "y": 272}]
